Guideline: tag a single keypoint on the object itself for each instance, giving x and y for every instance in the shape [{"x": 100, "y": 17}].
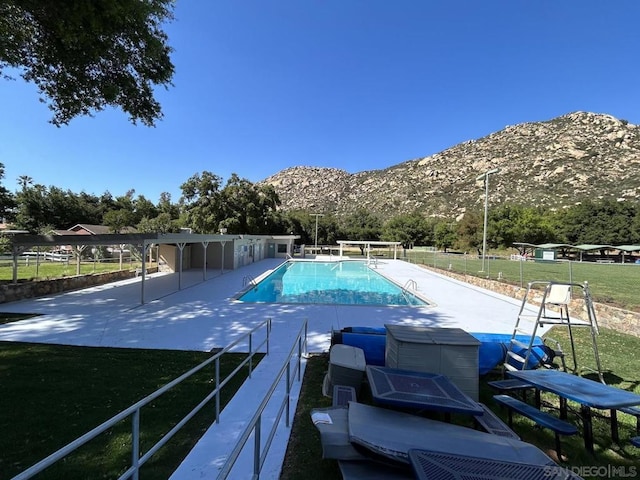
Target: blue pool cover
[{"x": 492, "y": 350}]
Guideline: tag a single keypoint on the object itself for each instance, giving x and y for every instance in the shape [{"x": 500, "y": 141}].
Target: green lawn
[
  {"x": 61, "y": 269},
  {"x": 304, "y": 454},
  {"x": 52, "y": 394},
  {"x": 614, "y": 284}
]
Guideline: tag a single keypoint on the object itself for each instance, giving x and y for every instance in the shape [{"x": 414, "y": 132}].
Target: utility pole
[
  {"x": 316, "y": 240},
  {"x": 485, "y": 177}
]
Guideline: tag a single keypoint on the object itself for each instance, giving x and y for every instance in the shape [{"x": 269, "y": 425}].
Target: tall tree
[
  {"x": 409, "y": 229},
  {"x": 117, "y": 220},
  {"x": 25, "y": 181},
  {"x": 298, "y": 222},
  {"x": 444, "y": 235},
  {"x": 7, "y": 200},
  {"x": 85, "y": 55},
  {"x": 160, "y": 224},
  {"x": 201, "y": 200},
  {"x": 142, "y": 207},
  {"x": 246, "y": 207},
  {"x": 603, "y": 222},
  {"x": 362, "y": 225},
  {"x": 470, "y": 231},
  {"x": 90, "y": 207},
  {"x": 511, "y": 224},
  {"x": 166, "y": 206},
  {"x": 32, "y": 211}
]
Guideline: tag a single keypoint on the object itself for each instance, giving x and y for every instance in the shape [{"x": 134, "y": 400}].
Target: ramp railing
[
  {"x": 255, "y": 425},
  {"x": 138, "y": 460}
]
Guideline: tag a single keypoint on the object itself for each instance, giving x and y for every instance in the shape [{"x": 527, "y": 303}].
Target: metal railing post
[
  {"x": 135, "y": 443},
  {"x": 256, "y": 446},
  {"x": 306, "y": 330},
  {"x": 299, "y": 356},
  {"x": 268, "y": 334},
  {"x": 217, "y": 365},
  {"x": 288, "y": 394},
  {"x": 250, "y": 354}
]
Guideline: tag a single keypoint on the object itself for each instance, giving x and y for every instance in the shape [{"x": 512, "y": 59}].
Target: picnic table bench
[
  {"x": 511, "y": 385},
  {"x": 544, "y": 419},
  {"x": 635, "y": 411}
]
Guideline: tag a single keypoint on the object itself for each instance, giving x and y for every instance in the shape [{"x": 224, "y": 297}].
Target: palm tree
[{"x": 24, "y": 181}]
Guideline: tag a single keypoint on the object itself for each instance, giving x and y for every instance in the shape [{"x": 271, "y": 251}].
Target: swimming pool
[{"x": 337, "y": 283}]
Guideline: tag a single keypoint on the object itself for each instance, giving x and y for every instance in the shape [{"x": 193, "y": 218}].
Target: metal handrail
[
  {"x": 255, "y": 425},
  {"x": 411, "y": 284},
  {"x": 248, "y": 280},
  {"x": 134, "y": 411},
  {"x": 405, "y": 290}
]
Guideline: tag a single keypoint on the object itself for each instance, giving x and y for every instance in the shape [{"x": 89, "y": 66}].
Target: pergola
[
  {"x": 21, "y": 243},
  {"x": 368, "y": 243}
]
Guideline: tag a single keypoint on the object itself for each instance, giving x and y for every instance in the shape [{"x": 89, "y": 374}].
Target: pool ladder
[
  {"x": 411, "y": 284},
  {"x": 248, "y": 280}
]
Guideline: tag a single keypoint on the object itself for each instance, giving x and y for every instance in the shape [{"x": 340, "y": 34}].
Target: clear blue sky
[{"x": 261, "y": 86}]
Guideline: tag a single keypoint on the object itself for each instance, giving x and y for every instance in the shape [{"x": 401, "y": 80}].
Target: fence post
[
  {"x": 570, "y": 272},
  {"x": 521, "y": 271}
]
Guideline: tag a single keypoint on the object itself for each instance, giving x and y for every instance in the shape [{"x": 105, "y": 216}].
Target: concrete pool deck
[{"x": 203, "y": 316}]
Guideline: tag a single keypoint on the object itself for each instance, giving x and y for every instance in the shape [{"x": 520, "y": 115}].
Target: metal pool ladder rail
[{"x": 411, "y": 284}]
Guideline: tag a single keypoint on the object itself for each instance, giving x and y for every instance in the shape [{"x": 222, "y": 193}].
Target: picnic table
[{"x": 588, "y": 393}]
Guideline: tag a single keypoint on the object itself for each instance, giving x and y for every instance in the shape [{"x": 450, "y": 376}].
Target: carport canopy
[{"x": 585, "y": 247}]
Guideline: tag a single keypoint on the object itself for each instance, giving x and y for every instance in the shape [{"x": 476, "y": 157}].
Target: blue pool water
[{"x": 336, "y": 283}]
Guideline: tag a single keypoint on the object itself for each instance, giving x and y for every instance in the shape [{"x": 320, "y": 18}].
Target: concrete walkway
[{"x": 203, "y": 315}]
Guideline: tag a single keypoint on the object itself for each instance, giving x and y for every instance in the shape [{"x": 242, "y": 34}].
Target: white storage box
[
  {"x": 346, "y": 367},
  {"x": 448, "y": 351}
]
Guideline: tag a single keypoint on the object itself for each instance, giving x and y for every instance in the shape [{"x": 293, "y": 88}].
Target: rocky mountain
[{"x": 553, "y": 163}]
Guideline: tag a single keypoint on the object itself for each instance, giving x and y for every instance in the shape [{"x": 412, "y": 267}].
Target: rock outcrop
[{"x": 555, "y": 163}]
